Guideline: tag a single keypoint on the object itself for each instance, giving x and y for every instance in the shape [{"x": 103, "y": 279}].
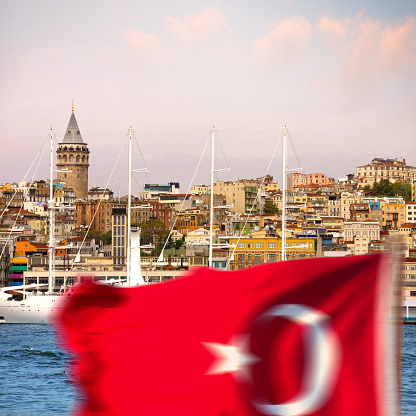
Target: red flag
[{"x": 291, "y": 338}]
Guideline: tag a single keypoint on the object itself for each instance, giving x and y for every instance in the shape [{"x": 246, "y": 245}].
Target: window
[
  {"x": 249, "y": 245},
  {"x": 413, "y": 293},
  {"x": 241, "y": 245},
  {"x": 258, "y": 245},
  {"x": 271, "y": 245}
]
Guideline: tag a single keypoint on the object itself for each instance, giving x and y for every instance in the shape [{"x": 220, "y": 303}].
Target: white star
[{"x": 230, "y": 358}]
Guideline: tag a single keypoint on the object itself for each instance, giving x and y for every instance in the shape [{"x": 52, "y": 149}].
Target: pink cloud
[
  {"x": 397, "y": 46},
  {"x": 143, "y": 43},
  {"x": 286, "y": 41},
  {"x": 332, "y": 30},
  {"x": 367, "y": 51},
  {"x": 198, "y": 25}
]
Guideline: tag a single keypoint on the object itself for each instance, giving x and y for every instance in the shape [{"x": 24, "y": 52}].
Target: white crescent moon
[{"x": 324, "y": 351}]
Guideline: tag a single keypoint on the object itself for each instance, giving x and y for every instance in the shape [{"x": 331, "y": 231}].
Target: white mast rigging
[
  {"x": 134, "y": 276},
  {"x": 51, "y": 209}
]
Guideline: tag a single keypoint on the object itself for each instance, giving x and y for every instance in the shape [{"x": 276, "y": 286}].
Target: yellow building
[
  {"x": 189, "y": 221},
  {"x": 392, "y": 169},
  {"x": 263, "y": 249},
  {"x": 39, "y": 225},
  {"x": 317, "y": 203},
  {"x": 242, "y": 195},
  {"x": 394, "y": 214},
  {"x": 347, "y": 199}
]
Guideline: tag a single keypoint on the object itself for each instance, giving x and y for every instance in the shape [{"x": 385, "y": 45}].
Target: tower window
[{"x": 77, "y": 159}]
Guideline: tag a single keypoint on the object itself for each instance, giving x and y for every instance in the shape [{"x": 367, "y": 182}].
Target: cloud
[
  {"x": 332, "y": 30},
  {"x": 198, "y": 25},
  {"x": 369, "y": 45},
  {"x": 142, "y": 43},
  {"x": 397, "y": 46},
  {"x": 285, "y": 42}
]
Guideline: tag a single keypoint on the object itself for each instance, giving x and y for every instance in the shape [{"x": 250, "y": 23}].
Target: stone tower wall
[{"x": 76, "y": 159}]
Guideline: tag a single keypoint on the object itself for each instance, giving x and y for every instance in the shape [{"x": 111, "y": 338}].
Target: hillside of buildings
[{"x": 355, "y": 215}]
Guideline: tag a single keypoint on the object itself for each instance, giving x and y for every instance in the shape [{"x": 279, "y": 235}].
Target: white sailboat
[
  {"x": 40, "y": 308},
  {"x": 34, "y": 308}
]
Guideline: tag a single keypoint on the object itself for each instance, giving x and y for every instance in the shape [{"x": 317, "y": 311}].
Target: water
[
  {"x": 33, "y": 377},
  {"x": 34, "y": 381}
]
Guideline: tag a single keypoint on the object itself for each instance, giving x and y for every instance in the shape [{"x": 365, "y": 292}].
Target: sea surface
[{"x": 34, "y": 378}]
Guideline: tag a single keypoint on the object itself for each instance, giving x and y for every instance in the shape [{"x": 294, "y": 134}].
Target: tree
[
  {"x": 404, "y": 189},
  {"x": 149, "y": 229},
  {"x": 383, "y": 188},
  {"x": 106, "y": 237},
  {"x": 386, "y": 188},
  {"x": 270, "y": 208}
]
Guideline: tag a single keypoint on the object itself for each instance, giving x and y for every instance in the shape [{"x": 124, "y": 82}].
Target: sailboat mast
[
  {"x": 211, "y": 213},
  {"x": 284, "y": 171},
  {"x": 51, "y": 207},
  {"x": 129, "y": 214}
]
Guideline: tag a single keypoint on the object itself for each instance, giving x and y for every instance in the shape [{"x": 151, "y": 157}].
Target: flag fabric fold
[{"x": 291, "y": 338}]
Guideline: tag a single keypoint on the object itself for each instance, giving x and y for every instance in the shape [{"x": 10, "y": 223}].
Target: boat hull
[{"x": 35, "y": 309}]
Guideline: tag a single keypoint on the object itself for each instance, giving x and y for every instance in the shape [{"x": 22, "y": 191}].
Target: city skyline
[{"x": 340, "y": 76}]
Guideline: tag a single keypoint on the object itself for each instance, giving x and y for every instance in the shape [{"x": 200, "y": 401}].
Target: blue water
[{"x": 34, "y": 381}]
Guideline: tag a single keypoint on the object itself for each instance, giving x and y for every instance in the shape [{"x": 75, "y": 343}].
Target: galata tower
[{"x": 73, "y": 155}]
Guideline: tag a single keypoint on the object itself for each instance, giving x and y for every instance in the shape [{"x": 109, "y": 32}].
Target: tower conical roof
[{"x": 72, "y": 134}]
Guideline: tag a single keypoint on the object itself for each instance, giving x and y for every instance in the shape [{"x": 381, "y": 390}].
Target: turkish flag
[{"x": 302, "y": 337}]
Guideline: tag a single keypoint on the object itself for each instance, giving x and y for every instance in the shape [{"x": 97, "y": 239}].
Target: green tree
[
  {"x": 404, "y": 189},
  {"x": 367, "y": 188},
  {"x": 149, "y": 229},
  {"x": 179, "y": 243},
  {"x": 106, "y": 237},
  {"x": 270, "y": 208},
  {"x": 386, "y": 188},
  {"x": 383, "y": 188}
]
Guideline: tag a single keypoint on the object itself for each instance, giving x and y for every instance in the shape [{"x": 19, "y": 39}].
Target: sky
[{"x": 341, "y": 75}]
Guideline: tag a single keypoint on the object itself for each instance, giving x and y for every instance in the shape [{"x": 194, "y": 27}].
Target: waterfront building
[
  {"x": 73, "y": 156},
  {"x": 261, "y": 248},
  {"x": 119, "y": 236}
]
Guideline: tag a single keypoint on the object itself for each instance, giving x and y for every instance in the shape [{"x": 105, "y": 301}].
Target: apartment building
[
  {"x": 245, "y": 196},
  {"x": 261, "y": 248},
  {"x": 366, "y": 228},
  {"x": 410, "y": 213},
  {"x": 347, "y": 199},
  {"x": 392, "y": 169}
]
